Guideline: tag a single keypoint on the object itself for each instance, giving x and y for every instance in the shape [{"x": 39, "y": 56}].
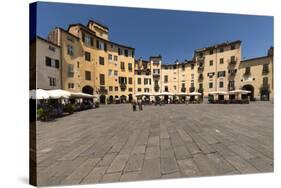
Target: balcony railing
[
  {"x": 200, "y": 68},
  {"x": 200, "y": 59},
  {"x": 232, "y": 61},
  {"x": 191, "y": 89},
  {"x": 123, "y": 86},
  {"x": 156, "y": 74},
  {"x": 231, "y": 88},
  {"x": 200, "y": 90}
]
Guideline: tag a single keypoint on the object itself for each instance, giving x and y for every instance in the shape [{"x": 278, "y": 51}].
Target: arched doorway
[
  {"x": 88, "y": 90},
  {"x": 111, "y": 99},
  {"x": 102, "y": 99},
  {"x": 250, "y": 95},
  {"x": 123, "y": 99}
]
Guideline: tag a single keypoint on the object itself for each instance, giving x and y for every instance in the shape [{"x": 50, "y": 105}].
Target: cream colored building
[
  {"x": 94, "y": 64},
  {"x": 143, "y": 77},
  {"x": 45, "y": 65}
]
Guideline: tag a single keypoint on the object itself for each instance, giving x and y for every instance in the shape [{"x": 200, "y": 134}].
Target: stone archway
[
  {"x": 111, "y": 99},
  {"x": 88, "y": 90},
  {"x": 251, "y": 95},
  {"x": 102, "y": 99}
]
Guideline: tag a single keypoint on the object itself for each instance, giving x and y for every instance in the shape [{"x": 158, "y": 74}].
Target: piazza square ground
[{"x": 113, "y": 143}]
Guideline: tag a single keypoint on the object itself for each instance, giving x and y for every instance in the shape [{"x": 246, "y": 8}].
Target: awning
[
  {"x": 82, "y": 95},
  {"x": 195, "y": 93},
  {"x": 59, "y": 94},
  {"x": 218, "y": 93},
  {"x": 164, "y": 94},
  {"x": 143, "y": 94},
  {"x": 181, "y": 94},
  {"x": 38, "y": 94},
  {"x": 239, "y": 91}
]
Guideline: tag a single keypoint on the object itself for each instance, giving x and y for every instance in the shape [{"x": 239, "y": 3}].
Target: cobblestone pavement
[{"x": 113, "y": 143}]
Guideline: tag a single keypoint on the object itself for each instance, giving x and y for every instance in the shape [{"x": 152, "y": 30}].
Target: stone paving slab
[{"x": 113, "y": 143}]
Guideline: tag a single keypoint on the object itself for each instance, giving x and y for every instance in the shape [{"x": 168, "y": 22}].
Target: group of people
[{"x": 137, "y": 103}]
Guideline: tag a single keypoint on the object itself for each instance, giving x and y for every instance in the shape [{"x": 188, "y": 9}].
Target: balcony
[
  {"x": 200, "y": 78},
  {"x": 200, "y": 59},
  {"x": 156, "y": 75},
  {"x": 191, "y": 89},
  {"x": 123, "y": 86},
  {"x": 232, "y": 61},
  {"x": 200, "y": 90},
  {"x": 200, "y": 68},
  {"x": 231, "y": 88},
  {"x": 232, "y": 74}
]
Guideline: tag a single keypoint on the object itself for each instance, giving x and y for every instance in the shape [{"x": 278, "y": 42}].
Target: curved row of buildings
[{"x": 83, "y": 59}]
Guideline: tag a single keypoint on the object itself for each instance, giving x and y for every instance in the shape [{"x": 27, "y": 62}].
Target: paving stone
[
  {"x": 152, "y": 152},
  {"x": 118, "y": 163},
  {"x": 95, "y": 175},
  {"x": 134, "y": 163},
  {"x": 168, "y": 165},
  {"x": 151, "y": 169},
  {"x": 188, "y": 168},
  {"x": 113, "y": 177}
]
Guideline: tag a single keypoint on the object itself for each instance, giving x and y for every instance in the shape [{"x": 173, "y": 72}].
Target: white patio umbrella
[
  {"x": 164, "y": 94},
  {"x": 82, "y": 95},
  {"x": 239, "y": 91},
  {"x": 181, "y": 94},
  {"x": 143, "y": 94},
  {"x": 38, "y": 94},
  {"x": 195, "y": 94},
  {"x": 218, "y": 93},
  {"x": 59, "y": 94}
]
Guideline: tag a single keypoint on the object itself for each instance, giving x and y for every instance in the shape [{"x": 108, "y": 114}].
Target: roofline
[
  {"x": 98, "y": 23},
  {"x": 255, "y": 58},
  {"x": 217, "y": 46},
  {"x": 93, "y": 33},
  {"x": 47, "y": 41},
  {"x": 67, "y": 32}
]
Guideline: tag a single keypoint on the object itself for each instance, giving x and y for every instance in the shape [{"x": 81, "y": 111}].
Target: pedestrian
[{"x": 134, "y": 106}]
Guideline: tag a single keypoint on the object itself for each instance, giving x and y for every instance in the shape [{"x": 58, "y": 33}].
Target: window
[
  {"x": 232, "y": 47},
  {"x": 115, "y": 58},
  {"x": 265, "y": 68},
  {"x": 87, "y": 39},
  {"x": 166, "y": 78},
  {"x": 48, "y": 61},
  {"x": 70, "y": 50},
  {"x": 110, "y": 72},
  {"x": 110, "y": 88},
  {"x": 221, "y": 74},
  {"x": 139, "y": 81},
  {"x": 201, "y": 86},
  {"x": 115, "y": 73},
  {"x": 231, "y": 85},
  {"x": 130, "y": 89},
  {"x": 221, "y": 50},
  {"x": 210, "y": 85},
  {"x": 248, "y": 70},
  {"x": 146, "y": 81},
  {"x": 122, "y": 66},
  {"x": 182, "y": 85},
  {"x": 166, "y": 89},
  {"x": 139, "y": 89},
  {"x": 146, "y": 90},
  {"x": 149, "y": 81},
  {"x": 210, "y": 74},
  {"x": 211, "y": 52},
  {"x": 69, "y": 38},
  {"x": 115, "y": 88},
  {"x": 232, "y": 58},
  {"x": 183, "y": 67},
  {"x": 119, "y": 51},
  {"x": 221, "y": 84},
  {"x": 265, "y": 81},
  {"x": 70, "y": 85},
  {"x": 78, "y": 64},
  {"x": 130, "y": 67},
  {"x": 52, "y": 81},
  {"x": 110, "y": 57},
  {"x": 211, "y": 62},
  {"x": 130, "y": 80},
  {"x": 70, "y": 70},
  {"x": 101, "y": 60},
  {"x": 126, "y": 52},
  {"x": 57, "y": 63},
  {"x": 221, "y": 60},
  {"x": 51, "y": 48},
  {"x": 102, "y": 81},
  {"x": 87, "y": 56},
  {"x": 192, "y": 66},
  {"x": 175, "y": 87},
  {"x": 192, "y": 76},
  {"x": 87, "y": 75}
]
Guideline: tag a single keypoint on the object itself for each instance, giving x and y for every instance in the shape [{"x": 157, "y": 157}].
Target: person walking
[
  {"x": 134, "y": 105},
  {"x": 140, "y": 105}
]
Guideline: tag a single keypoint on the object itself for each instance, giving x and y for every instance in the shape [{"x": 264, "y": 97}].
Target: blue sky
[{"x": 173, "y": 34}]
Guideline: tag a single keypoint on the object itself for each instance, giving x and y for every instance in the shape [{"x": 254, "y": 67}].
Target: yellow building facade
[{"x": 93, "y": 64}]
